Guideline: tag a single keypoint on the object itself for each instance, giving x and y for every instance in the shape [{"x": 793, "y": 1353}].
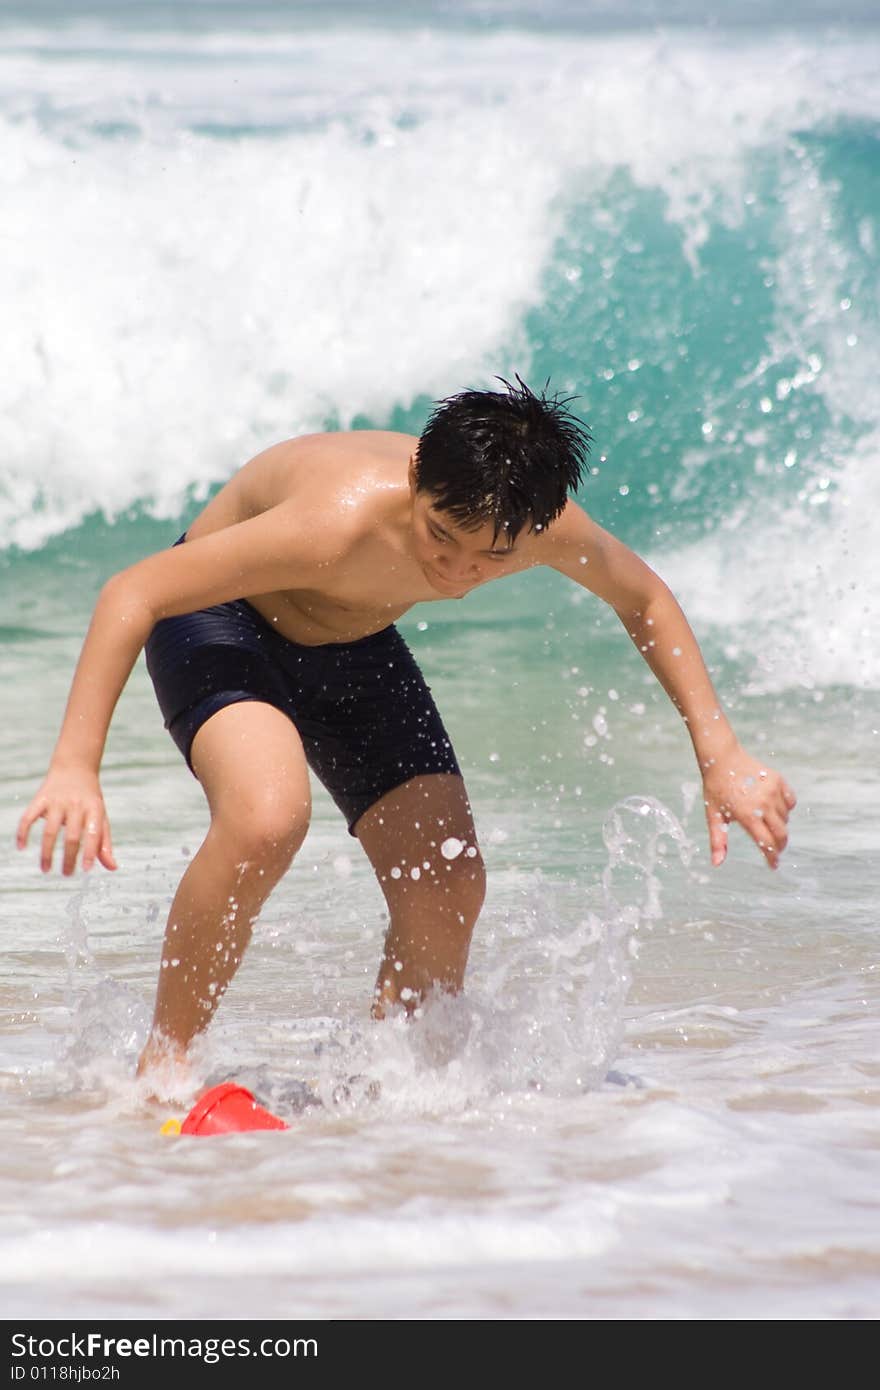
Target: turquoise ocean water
[{"x": 224, "y": 224}]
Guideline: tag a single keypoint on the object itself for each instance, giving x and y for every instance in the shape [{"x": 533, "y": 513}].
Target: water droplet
[{"x": 450, "y": 849}]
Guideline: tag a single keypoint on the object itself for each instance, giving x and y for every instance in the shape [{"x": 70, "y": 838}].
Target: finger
[
  {"x": 36, "y": 809},
  {"x": 72, "y": 837},
  {"x": 776, "y": 830},
  {"x": 717, "y": 837},
  {"x": 105, "y": 853},
  {"x": 756, "y": 826},
  {"x": 94, "y": 825},
  {"x": 50, "y": 834},
  {"x": 788, "y": 796}
]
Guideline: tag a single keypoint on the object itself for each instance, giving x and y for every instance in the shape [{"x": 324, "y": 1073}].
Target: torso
[{"x": 360, "y": 480}]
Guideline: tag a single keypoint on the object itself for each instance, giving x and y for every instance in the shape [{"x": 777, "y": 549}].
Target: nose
[{"x": 456, "y": 571}]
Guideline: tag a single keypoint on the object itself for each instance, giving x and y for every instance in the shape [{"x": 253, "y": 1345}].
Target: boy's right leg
[{"x": 250, "y": 762}]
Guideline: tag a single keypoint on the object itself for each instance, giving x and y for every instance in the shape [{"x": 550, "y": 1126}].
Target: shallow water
[
  {"x": 498, "y": 1173},
  {"x": 659, "y": 1096}
]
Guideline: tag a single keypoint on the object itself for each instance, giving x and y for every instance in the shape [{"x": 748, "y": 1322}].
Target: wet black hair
[{"x": 509, "y": 458}]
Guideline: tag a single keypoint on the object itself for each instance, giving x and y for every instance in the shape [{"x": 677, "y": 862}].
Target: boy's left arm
[{"x": 736, "y": 786}]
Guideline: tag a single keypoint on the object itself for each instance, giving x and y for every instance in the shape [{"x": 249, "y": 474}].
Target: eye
[{"x": 436, "y": 535}]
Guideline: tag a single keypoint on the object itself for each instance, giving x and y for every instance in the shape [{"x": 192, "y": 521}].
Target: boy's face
[{"x": 453, "y": 559}]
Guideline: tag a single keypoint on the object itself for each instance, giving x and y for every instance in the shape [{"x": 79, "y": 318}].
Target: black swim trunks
[{"x": 364, "y": 713}]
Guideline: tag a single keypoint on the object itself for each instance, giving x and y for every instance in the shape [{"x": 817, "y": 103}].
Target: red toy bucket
[{"x": 228, "y": 1109}]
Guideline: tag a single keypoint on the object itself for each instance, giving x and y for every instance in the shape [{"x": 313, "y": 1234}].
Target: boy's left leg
[{"x": 421, "y": 841}]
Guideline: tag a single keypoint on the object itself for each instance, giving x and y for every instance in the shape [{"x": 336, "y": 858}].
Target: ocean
[{"x": 226, "y": 224}]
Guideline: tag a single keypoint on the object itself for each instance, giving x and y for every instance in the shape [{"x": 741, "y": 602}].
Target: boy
[{"x": 270, "y": 639}]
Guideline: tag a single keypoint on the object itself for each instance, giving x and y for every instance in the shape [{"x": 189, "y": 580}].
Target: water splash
[
  {"x": 637, "y": 834},
  {"x": 74, "y": 938},
  {"x": 107, "y": 1018},
  {"x": 544, "y": 1011}
]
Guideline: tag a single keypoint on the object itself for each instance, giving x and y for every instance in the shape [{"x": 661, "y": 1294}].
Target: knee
[
  {"x": 451, "y": 890},
  {"x": 463, "y": 884},
  {"x": 265, "y": 837}
]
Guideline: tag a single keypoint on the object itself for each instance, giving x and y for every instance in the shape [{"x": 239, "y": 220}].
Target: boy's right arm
[{"x": 275, "y": 550}]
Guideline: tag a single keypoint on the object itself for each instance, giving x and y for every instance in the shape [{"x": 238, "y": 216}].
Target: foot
[{"x": 165, "y": 1070}]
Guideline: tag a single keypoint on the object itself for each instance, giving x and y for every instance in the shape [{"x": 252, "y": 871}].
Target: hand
[
  {"x": 70, "y": 797},
  {"x": 737, "y": 787}
]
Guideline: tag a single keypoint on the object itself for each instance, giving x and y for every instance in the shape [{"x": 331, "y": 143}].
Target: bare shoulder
[
  {"x": 331, "y": 469},
  {"x": 578, "y": 547},
  {"x": 330, "y": 478},
  {"x": 570, "y": 543},
  {"x": 344, "y": 450}
]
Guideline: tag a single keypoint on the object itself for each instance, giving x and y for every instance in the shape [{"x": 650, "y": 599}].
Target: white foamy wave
[
  {"x": 793, "y": 580},
  {"x": 177, "y": 309},
  {"x": 798, "y": 593},
  {"x": 377, "y": 233}
]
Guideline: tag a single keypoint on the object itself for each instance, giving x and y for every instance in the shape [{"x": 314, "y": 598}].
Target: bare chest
[{"x": 354, "y": 602}]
